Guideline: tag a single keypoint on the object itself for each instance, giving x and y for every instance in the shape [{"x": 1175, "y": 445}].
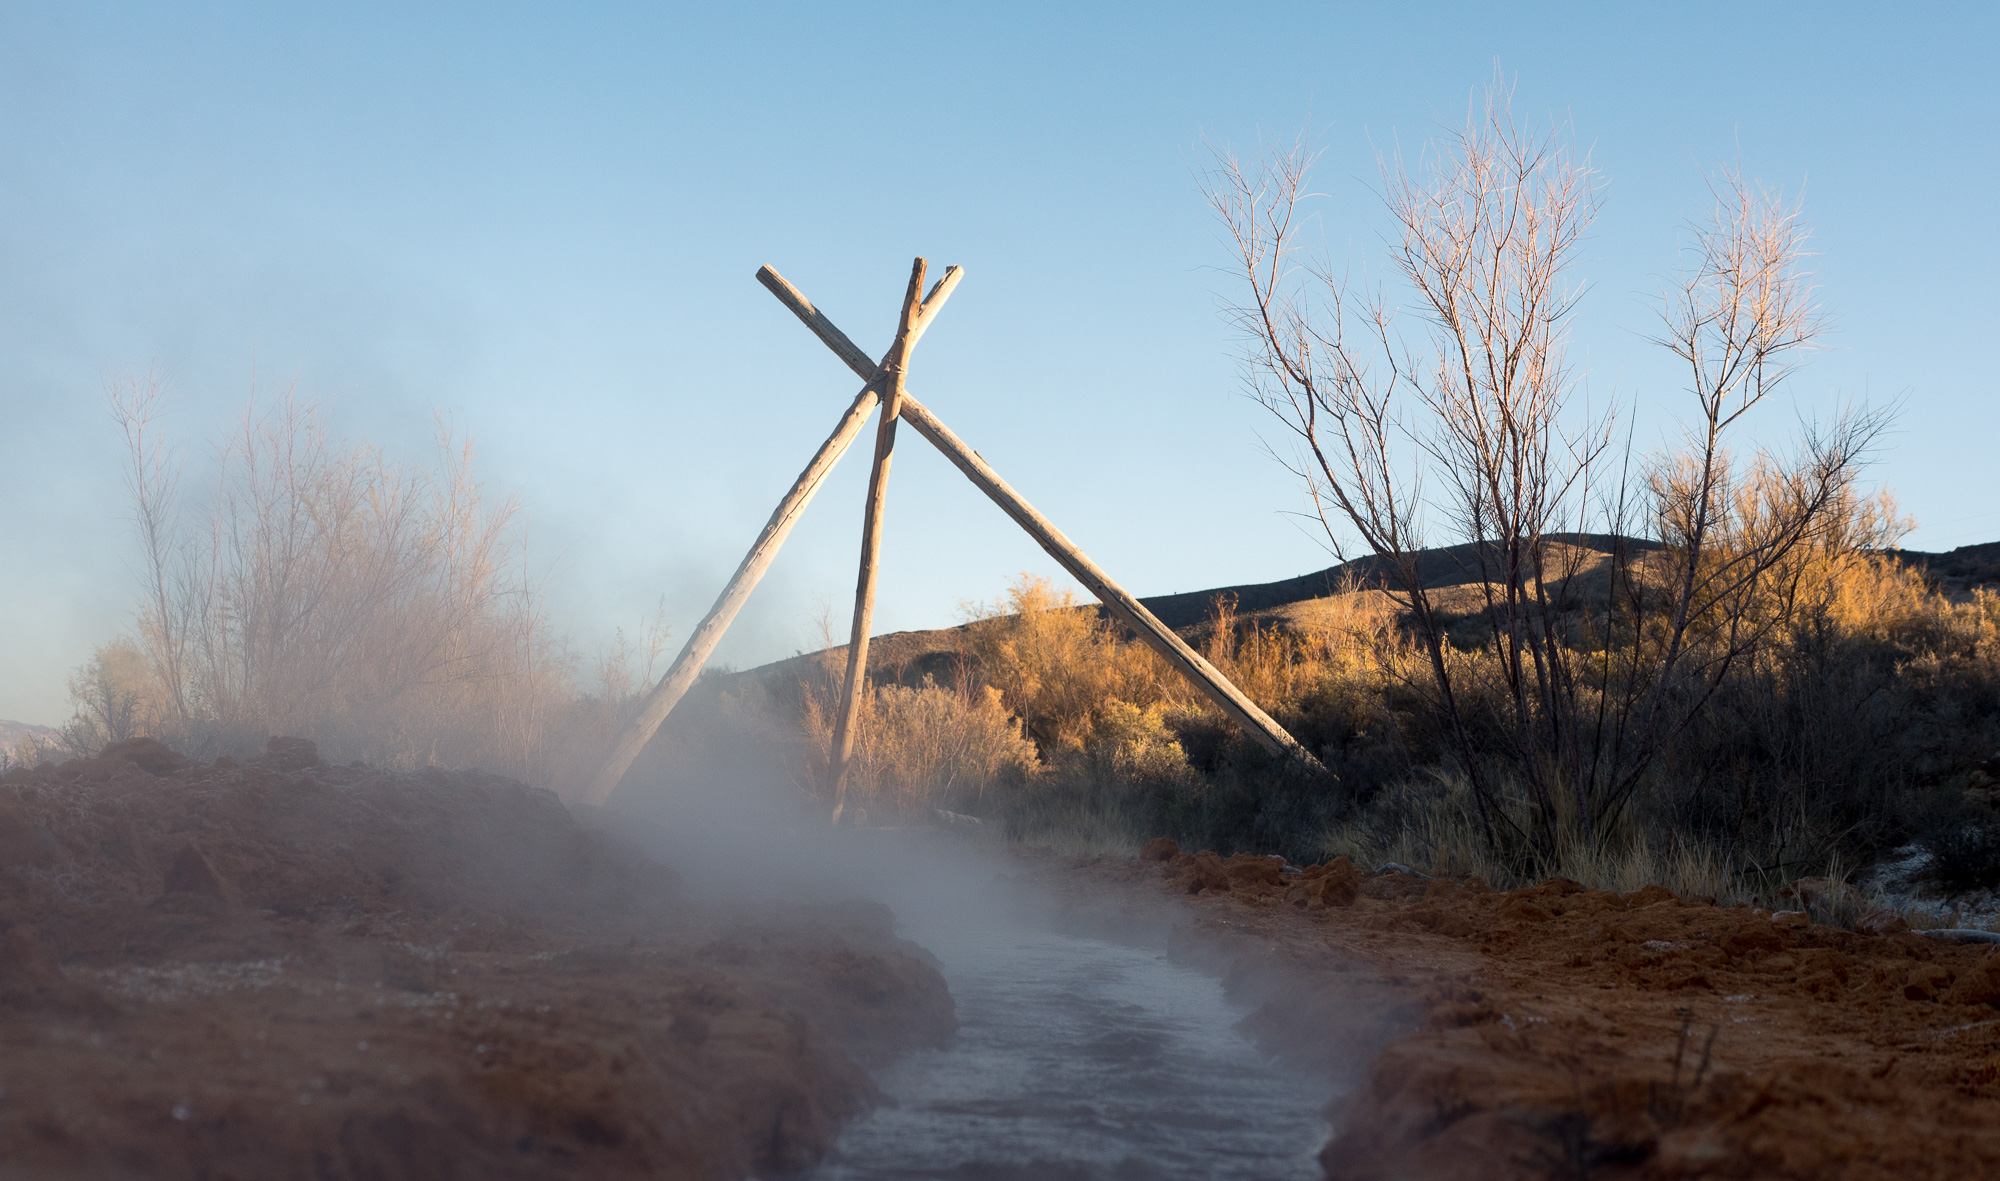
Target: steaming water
[
  {"x": 1081, "y": 1059},
  {"x": 1077, "y": 1058}
]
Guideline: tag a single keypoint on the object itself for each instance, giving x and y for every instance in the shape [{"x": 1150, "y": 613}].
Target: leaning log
[
  {"x": 694, "y": 654},
  {"x": 1126, "y": 609},
  {"x": 894, "y": 366}
]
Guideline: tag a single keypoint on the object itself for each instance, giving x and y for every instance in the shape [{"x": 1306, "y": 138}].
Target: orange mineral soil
[
  {"x": 1559, "y": 1032},
  {"x": 285, "y": 969}
]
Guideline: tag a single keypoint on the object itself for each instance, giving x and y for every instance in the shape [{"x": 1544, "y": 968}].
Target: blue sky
[{"x": 546, "y": 225}]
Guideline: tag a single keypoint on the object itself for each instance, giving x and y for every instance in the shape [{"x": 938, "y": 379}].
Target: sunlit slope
[{"x": 1308, "y": 601}]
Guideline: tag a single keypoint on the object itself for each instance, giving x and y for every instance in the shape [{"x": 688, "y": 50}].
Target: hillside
[
  {"x": 1294, "y": 603},
  {"x": 13, "y": 734},
  {"x": 1961, "y": 570}
]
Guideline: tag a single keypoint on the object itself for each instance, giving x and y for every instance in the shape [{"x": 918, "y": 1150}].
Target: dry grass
[
  {"x": 1832, "y": 746},
  {"x": 1059, "y": 666},
  {"x": 923, "y": 748}
]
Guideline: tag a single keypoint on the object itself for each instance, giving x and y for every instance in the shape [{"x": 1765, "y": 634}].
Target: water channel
[{"x": 1078, "y": 1059}]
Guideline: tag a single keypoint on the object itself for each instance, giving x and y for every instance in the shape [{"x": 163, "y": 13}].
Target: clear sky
[{"x": 544, "y": 220}]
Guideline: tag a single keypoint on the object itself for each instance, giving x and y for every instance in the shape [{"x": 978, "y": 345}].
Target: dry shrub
[
  {"x": 1130, "y": 750},
  {"x": 1328, "y": 676},
  {"x": 114, "y": 696},
  {"x": 1137, "y": 743},
  {"x": 326, "y": 591},
  {"x": 926, "y": 747},
  {"x": 1827, "y": 745},
  {"x": 1058, "y": 665}
]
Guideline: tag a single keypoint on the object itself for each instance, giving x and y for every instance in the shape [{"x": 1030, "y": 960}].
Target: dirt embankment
[
  {"x": 1558, "y": 1032},
  {"x": 285, "y": 969}
]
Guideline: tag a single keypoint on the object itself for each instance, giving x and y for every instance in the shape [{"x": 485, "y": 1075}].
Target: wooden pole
[
  {"x": 680, "y": 676},
  {"x": 895, "y": 365},
  {"x": 1128, "y": 610}
]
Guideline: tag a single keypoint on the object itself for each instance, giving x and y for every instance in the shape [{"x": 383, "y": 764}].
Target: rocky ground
[
  {"x": 285, "y": 969},
  {"x": 1558, "y": 1032}
]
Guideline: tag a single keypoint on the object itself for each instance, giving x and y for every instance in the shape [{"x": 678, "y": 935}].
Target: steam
[{"x": 1159, "y": 1006}]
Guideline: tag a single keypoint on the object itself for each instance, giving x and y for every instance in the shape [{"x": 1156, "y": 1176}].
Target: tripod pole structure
[
  {"x": 1126, "y": 609},
  {"x": 894, "y": 366},
  {"x": 694, "y": 654}
]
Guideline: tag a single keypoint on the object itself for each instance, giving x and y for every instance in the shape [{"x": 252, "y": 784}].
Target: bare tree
[
  {"x": 113, "y": 697},
  {"x": 1476, "y": 425},
  {"x": 329, "y": 592},
  {"x": 152, "y": 480}
]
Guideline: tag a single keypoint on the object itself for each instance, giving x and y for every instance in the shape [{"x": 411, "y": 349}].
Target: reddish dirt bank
[
  {"x": 284, "y": 969},
  {"x": 1557, "y": 1032}
]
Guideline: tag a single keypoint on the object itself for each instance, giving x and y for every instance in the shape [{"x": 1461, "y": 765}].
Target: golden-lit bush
[
  {"x": 1058, "y": 665},
  {"x": 1829, "y": 742},
  {"x": 1137, "y": 743},
  {"x": 322, "y": 590},
  {"x": 924, "y": 747}
]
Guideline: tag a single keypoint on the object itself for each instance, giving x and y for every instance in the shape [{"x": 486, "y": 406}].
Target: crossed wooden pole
[{"x": 885, "y": 382}]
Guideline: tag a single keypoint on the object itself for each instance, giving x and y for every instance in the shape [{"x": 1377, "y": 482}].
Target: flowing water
[{"x": 1078, "y": 1058}]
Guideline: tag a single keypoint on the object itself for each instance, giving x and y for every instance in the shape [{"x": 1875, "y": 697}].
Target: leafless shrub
[
  {"x": 322, "y": 590},
  {"x": 114, "y": 696},
  {"x": 1475, "y": 425}
]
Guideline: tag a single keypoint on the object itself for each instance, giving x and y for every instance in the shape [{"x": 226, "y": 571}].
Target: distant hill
[
  {"x": 1961, "y": 570},
  {"x": 13, "y": 734},
  {"x": 1455, "y": 565},
  {"x": 1287, "y": 603},
  {"x": 1293, "y": 602}
]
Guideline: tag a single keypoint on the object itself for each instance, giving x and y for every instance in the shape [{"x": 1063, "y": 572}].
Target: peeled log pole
[
  {"x": 1133, "y": 614},
  {"x": 701, "y": 642},
  {"x": 1127, "y": 609},
  {"x": 893, "y": 366}
]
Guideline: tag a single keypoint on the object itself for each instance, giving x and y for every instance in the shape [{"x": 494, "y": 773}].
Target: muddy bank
[
  {"x": 1562, "y": 1032},
  {"x": 288, "y": 969}
]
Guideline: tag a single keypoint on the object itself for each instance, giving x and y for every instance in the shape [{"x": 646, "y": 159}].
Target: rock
[
  {"x": 1159, "y": 849},
  {"x": 1209, "y": 873},
  {"x": 1962, "y": 935},
  {"x": 149, "y": 755},
  {"x": 1880, "y": 922},
  {"x": 1250, "y": 869}
]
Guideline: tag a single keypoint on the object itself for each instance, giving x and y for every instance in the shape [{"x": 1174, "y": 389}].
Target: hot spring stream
[{"x": 1078, "y": 1058}]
